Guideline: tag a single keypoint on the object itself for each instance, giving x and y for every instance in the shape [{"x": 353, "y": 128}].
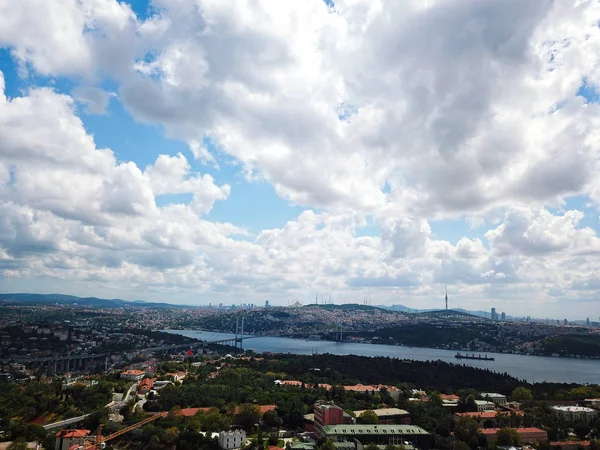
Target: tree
[
  {"x": 247, "y": 415},
  {"x": 460, "y": 445},
  {"x": 470, "y": 403},
  {"x": 435, "y": 399},
  {"x": 521, "y": 394},
  {"x": 17, "y": 444},
  {"x": 465, "y": 428},
  {"x": 582, "y": 429},
  {"x": 508, "y": 436},
  {"x": 371, "y": 447},
  {"x": 327, "y": 445},
  {"x": 272, "y": 420},
  {"x": 368, "y": 417}
]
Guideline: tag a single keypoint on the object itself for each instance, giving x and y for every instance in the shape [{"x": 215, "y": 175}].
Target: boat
[{"x": 474, "y": 356}]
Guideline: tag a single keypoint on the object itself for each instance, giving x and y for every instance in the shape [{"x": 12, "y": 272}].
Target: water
[{"x": 530, "y": 368}]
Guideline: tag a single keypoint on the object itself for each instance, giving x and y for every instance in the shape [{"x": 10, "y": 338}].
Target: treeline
[
  {"x": 432, "y": 335},
  {"x": 573, "y": 344},
  {"x": 434, "y": 375}
]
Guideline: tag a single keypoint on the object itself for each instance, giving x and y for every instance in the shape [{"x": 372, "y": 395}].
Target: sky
[{"x": 231, "y": 151}]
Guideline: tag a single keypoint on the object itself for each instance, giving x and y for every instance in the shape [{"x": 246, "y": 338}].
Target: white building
[
  {"x": 498, "y": 399},
  {"x": 575, "y": 413},
  {"x": 232, "y": 439},
  {"x": 484, "y": 405},
  {"x": 133, "y": 375}
]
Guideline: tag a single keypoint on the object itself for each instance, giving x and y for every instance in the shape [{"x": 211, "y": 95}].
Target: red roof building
[
  {"x": 68, "y": 438},
  {"x": 527, "y": 435},
  {"x": 146, "y": 385}
]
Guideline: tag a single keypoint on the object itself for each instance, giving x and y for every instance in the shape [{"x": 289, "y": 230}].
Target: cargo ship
[{"x": 474, "y": 356}]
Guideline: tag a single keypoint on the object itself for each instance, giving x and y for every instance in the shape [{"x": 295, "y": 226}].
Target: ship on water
[{"x": 474, "y": 356}]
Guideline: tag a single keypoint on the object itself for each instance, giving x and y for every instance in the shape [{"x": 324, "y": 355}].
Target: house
[
  {"x": 229, "y": 440},
  {"x": 527, "y": 435},
  {"x": 67, "y": 438},
  {"x": 389, "y": 416},
  {"x": 498, "y": 399},
  {"x": 146, "y": 385},
  {"x": 362, "y": 388},
  {"x": 267, "y": 408},
  {"x": 575, "y": 413},
  {"x": 177, "y": 376},
  {"x": 484, "y": 405},
  {"x": 133, "y": 375},
  {"x": 496, "y": 418},
  {"x": 480, "y": 417}
]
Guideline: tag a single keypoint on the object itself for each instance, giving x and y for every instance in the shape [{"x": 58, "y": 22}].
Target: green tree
[
  {"x": 582, "y": 429},
  {"x": 435, "y": 399},
  {"x": 465, "y": 428},
  {"x": 371, "y": 447},
  {"x": 460, "y": 445},
  {"x": 521, "y": 394},
  {"x": 508, "y": 436},
  {"x": 247, "y": 415},
  {"x": 470, "y": 403},
  {"x": 368, "y": 417},
  {"x": 272, "y": 420},
  {"x": 18, "y": 444},
  {"x": 326, "y": 445}
]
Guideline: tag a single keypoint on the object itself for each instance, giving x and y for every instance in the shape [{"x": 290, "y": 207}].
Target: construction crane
[{"x": 98, "y": 442}]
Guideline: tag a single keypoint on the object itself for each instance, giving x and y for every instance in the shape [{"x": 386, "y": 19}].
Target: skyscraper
[
  {"x": 494, "y": 314},
  {"x": 266, "y": 303},
  {"x": 503, "y": 316},
  {"x": 446, "y": 298}
]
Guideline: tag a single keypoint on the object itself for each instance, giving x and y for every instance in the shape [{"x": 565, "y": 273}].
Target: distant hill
[
  {"x": 402, "y": 308},
  {"x": 94, "y": 302}
]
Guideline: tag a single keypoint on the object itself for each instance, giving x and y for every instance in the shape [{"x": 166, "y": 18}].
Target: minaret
[{"x": 446, "y": 298}]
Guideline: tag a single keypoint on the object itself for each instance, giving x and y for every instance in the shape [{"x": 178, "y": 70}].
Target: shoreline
[{"x": 451, "y": 349}]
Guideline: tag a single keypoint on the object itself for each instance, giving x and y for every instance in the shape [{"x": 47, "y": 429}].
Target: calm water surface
[{"x": 530, "y": 368}]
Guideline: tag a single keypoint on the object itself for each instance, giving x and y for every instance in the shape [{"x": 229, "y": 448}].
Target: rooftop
[
  {"x": 384, "y": 412},
  {"x": 573, "y": 409},
  {"x": 493, "y": 431},
  {"x": 374, "y": 430},
  {"x": 492, "y": 395},
  {"x": 72, "y": 433}
]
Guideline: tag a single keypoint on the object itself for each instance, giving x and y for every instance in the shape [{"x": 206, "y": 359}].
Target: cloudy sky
[{"x": 237, "y": 151}]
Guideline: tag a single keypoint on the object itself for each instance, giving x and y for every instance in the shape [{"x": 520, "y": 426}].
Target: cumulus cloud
[
  {"x": 95, "y": 100},
  {"x": 400, "y": 112}
]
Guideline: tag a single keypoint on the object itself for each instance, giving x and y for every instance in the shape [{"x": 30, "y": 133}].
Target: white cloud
[
  {"x": 448, "y": 109},
  {"x": 95, "y": 100}
]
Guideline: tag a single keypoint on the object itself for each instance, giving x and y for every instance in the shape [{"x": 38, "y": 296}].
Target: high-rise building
[
  {"x": 266, "y": 303},
  {"x": 587, "y": 321},
  {"x": 494, "y": 314},
  {"x": 503, "y": 316},
  {"x": 446, "y": 298},
  {"x": 566, "y": 322}
]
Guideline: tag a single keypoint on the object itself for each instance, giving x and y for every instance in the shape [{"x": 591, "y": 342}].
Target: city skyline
[{"x": 220, "y": 152}]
